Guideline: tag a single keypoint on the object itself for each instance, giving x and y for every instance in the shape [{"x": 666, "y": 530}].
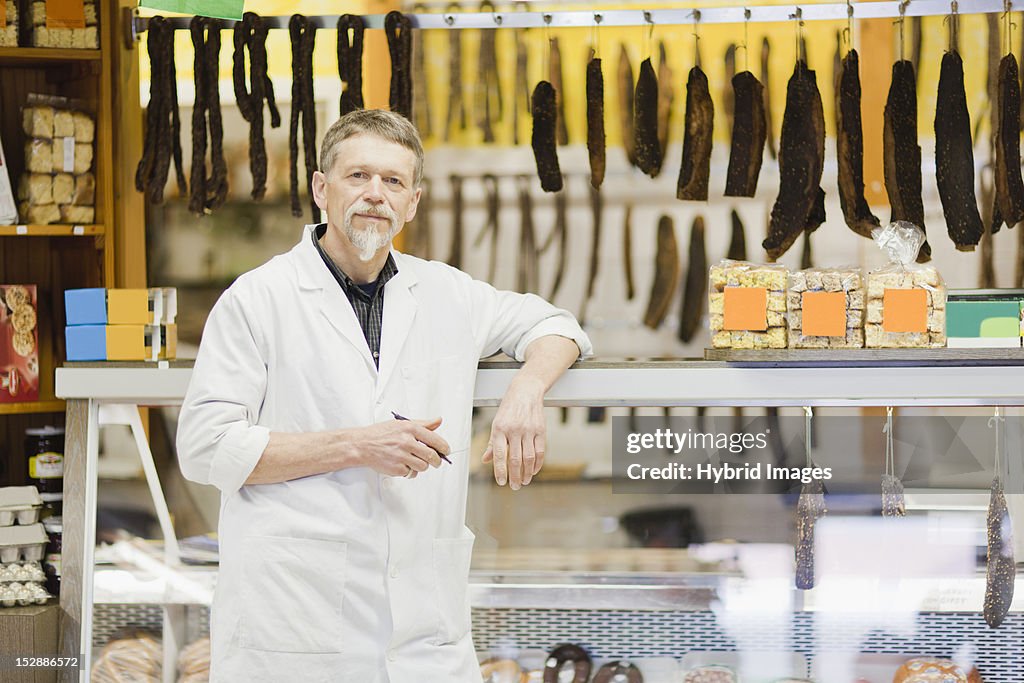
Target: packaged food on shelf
[
  {"x": 22, "y": 543},
  {"x": 747, "y": 305},
  {"x": 825, "y": 307},
  {"x": 19, "y": 504},
  {"x": 906, "y": 301},
  {"x": 8, "y": 208},
  {"x": 22, "y": 594},
  {"x": 44, "y": 451},
  {"x": 132, "y": 655},
  {"x": 19, "y": 347},
  {"x": 22, "y": 572},
  {"x": 930, "y": 670},
  {"x": 65, "y": 25},
  {"x": 984, "y": 318},
  {"x": 8, "y": 23},
  {"x": 38, "y": 188}
]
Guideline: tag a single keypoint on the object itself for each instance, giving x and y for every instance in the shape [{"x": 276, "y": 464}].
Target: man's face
[{"x": 369, "y": 193}]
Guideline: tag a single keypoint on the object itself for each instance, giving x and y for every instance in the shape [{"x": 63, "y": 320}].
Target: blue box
[
  {"x": 86, "y": 342},
  {"x": 85, "y": 307}
]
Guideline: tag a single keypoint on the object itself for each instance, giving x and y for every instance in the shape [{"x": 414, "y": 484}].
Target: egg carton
[
  {"x": 23, "y": 594},
  {"x": 22, "y": 572},
  {"x": 22, "y": 543},
  {"x": 20, "y": 504}
]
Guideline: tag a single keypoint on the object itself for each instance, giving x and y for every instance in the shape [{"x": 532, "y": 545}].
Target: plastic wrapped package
[
  {"x": 63, "y": 188},
  {"x": 38, "y": 156},
  {"x": 77, "y": 215},
  {"x": 37, "y": 121},
  {"x": 9, "y": 24},
  {"x": 747, "y": 305},
  {"x": 39, "y": 214},
  {"x": 36, "y": 188},
  {"x": 906, "y": 301},
  {"x": 829, "y": 304},
  {"x": 63, "y": 123},
  {"x": 85, "y": 190},
  {"x": 81, "y": 37},
  {"x": 84, "y": 127}
]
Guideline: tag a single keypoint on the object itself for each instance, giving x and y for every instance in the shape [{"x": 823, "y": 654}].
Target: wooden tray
[{"x": 865, "y": 357}]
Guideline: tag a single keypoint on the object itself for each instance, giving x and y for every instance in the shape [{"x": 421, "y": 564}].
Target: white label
[
  {"x": 78, "y": 230},
  {"x": 69, "y": 155},
  {"x": 21, "y": 230}
]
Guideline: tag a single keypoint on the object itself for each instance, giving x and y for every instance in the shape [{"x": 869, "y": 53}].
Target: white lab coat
[{"x": 346, "y": 576}]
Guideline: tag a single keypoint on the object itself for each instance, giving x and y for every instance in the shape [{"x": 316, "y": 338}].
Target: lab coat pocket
[
  {"x": 451, "y": 574},
  {"x": 293, "y": 590}
]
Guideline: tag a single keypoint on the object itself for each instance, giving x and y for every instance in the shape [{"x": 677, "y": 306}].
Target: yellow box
[
  {"x": 168, "y": 342},
  {"x": 128, "y": 307}
]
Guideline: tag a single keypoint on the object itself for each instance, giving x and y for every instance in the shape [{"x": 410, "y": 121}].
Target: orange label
[
  {"x": 3, "y": 15},
  {"x": 745, "y": 308},
  {"x": 824, "y": 314},
  {"x": 65, "y": 14},
  {"x": 905, "y": 310}
]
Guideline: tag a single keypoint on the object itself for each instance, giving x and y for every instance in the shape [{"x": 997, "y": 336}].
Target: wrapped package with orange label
[
  {"x": 825, "y": 307},
  {"x": 906, "y": 301},
  {"x": 747, "y": 305}
]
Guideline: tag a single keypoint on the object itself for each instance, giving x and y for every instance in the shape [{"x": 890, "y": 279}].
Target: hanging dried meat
[
  {"x": 666, "y": 274},
  {"x": 420, "y": 95},
  {"x": 749, "y": 132},
  {"x": 766, "y": 51},
  {"x": 1001, "y": 570},
  {"x": 801, "y": 202},
  {"x": 521, "y": 91},
  {"x": 738, "y": 241},
  {"x": 350, "y": 61},
  {"x": 728, "y": 99},
  {"x": 627, "y": 251},
  {"x": 700, "y": 121},
  {"x": 455, "y": 248},
  {"x": 626, "y": 104},
  {"x": 208, "y": 193},
  {"x": 545, "y": 115},
  {"x": 596, "y": 212},
  {"x": 902, "y": 154},
  {"x": 527, "y": 267},
  {"x": 850, "y": 149},
  {"x": 595, "y": 122},
  {"x": 555, "y": 76},
  {"x": 1009, "y": 201},
  {"x": 303, "y": 38},
  {"x": 398, "y": 29},
  {"x": 954, "y": 156},
  {"x": 810, "y": 508},
  {"x": 489, "y": 104},
  {"x": 561, "y": 231},
  {"x": 696, "y": 287},
  {"x": 456, "y": 105},
  {"x": 666, "y": 96},
  {"x": 493, "y": 204},
  {"x": 163, "y": 127},
  {"x": 645, "y": 120},
  {"x": 251, "y": 35}
]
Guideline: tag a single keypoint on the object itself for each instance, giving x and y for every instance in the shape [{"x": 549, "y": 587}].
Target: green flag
[{"x": 221, "y": 9}]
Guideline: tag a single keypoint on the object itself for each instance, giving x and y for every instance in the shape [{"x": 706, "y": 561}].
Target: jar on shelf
[{"x": 44, "y": 448}]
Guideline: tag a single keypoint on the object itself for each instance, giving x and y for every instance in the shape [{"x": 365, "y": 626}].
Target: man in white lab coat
[{"x": 344, "y": 554}]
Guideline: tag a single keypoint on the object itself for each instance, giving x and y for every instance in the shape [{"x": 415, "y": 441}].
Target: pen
[{"x": 443, "y": 457}]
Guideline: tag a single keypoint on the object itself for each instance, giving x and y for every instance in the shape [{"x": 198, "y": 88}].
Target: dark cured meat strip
[
  {"x": 645, "y": 120},
  {"x": 954, "y": 156},
  {"x": 749, "y": 132},
  {"x": 806, "y": 257},
  {"x": 810, "y": 508},
  {"x": 666, "y": 96},
  {"x": 521, "y": 92},
  {"x": 627, "y": 251},
  {"x": 901, "y": 152},
  {"x": 595, "y": 122},
  {"x": 543, "y": 139},
  {"x": 493, "y": 204},
  {"x": 420, "y": 95},
  {"x": 738, "y": 242},
  {"x": 766, "y": 50},
  {"x": 562, "y": 232},
  {"x": 728, "y": 100},
  {"x": 626, "y": 104},
  {"x": 850, "y": 149},
  {"x": 398, "y": 29},
  {"x": 555, "y": 76},
  {"x": 455, "y": 250},
  {"x": 302, "y": 33},
  {"x": 696, "y": 286},
  {"x": 1009, "y": 203},
  {"x": 456, "y": 105},
  {"x": 700, "y": 121},
  {"x": 596, "y": 212},
  {"x": 666, "y": 274},
  {"x": 350, "y": 62},
  {"x": 487, "y": 96},
  {"x": 527, "y": 274},
  {"x": 1000, "y": 568},
  {"x": 162, "y": 121},
  {"x": 801, "y": 160},
  {"x": 250, "y": 35}
]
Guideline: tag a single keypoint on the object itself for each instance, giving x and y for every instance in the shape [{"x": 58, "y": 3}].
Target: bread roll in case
[
  {"x": 35, "y": 188},
  {"x": 39, "y": 156},
  {"x": 63, "y": 188},
  {"x": 77, "y": 214},
  {"x": 63, "y": 124},
  {"x": 37, "y": 121},
  {"x": 40, "y": 214},
  {"x": 84, "y": 190},
  {"x": 84, "y": 126}
]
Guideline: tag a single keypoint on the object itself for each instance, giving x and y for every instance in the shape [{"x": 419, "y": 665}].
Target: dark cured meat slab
[
  {"x": 595, "y": 122},
  {"x": 1009, "y": 200},
  {"x": 700, "y": 122},
  {"x": 850, "y": 149},
  {"x": 749, "y": 133},
  {"x": 696, "y": 284},
  {"x": 645, "y": 120},
  {"x": 545, "y": 117}
]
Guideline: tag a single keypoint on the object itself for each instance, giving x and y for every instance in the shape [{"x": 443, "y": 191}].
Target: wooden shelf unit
[
  {"x": 32, "y": 56},
  {"x": 54, "y": 230},
  {"x": 32, "y": 408}
]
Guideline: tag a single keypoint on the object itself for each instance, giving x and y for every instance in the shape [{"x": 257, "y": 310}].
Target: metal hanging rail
[{"x": 838, "y": 11}]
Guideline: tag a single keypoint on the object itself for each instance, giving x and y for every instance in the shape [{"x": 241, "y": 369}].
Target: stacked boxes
[
  {"x": 120, "y": 324},
  {"x": 65, "y": 25},
  {"x": 985, "y": 318},
  {"x": 57, "y": 186},
  {"x": 826, "y": 308},
  {"x": 747, "y": 305},
  {"x": 906, "y": 308}
]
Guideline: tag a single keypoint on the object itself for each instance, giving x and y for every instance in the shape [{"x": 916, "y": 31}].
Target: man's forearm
[
  {"x": 547, "y": 359},
  {"x": 294, "y": 455}
]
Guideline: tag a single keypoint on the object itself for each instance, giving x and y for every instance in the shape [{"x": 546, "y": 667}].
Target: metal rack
[{"x": 839, "y": 11}]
